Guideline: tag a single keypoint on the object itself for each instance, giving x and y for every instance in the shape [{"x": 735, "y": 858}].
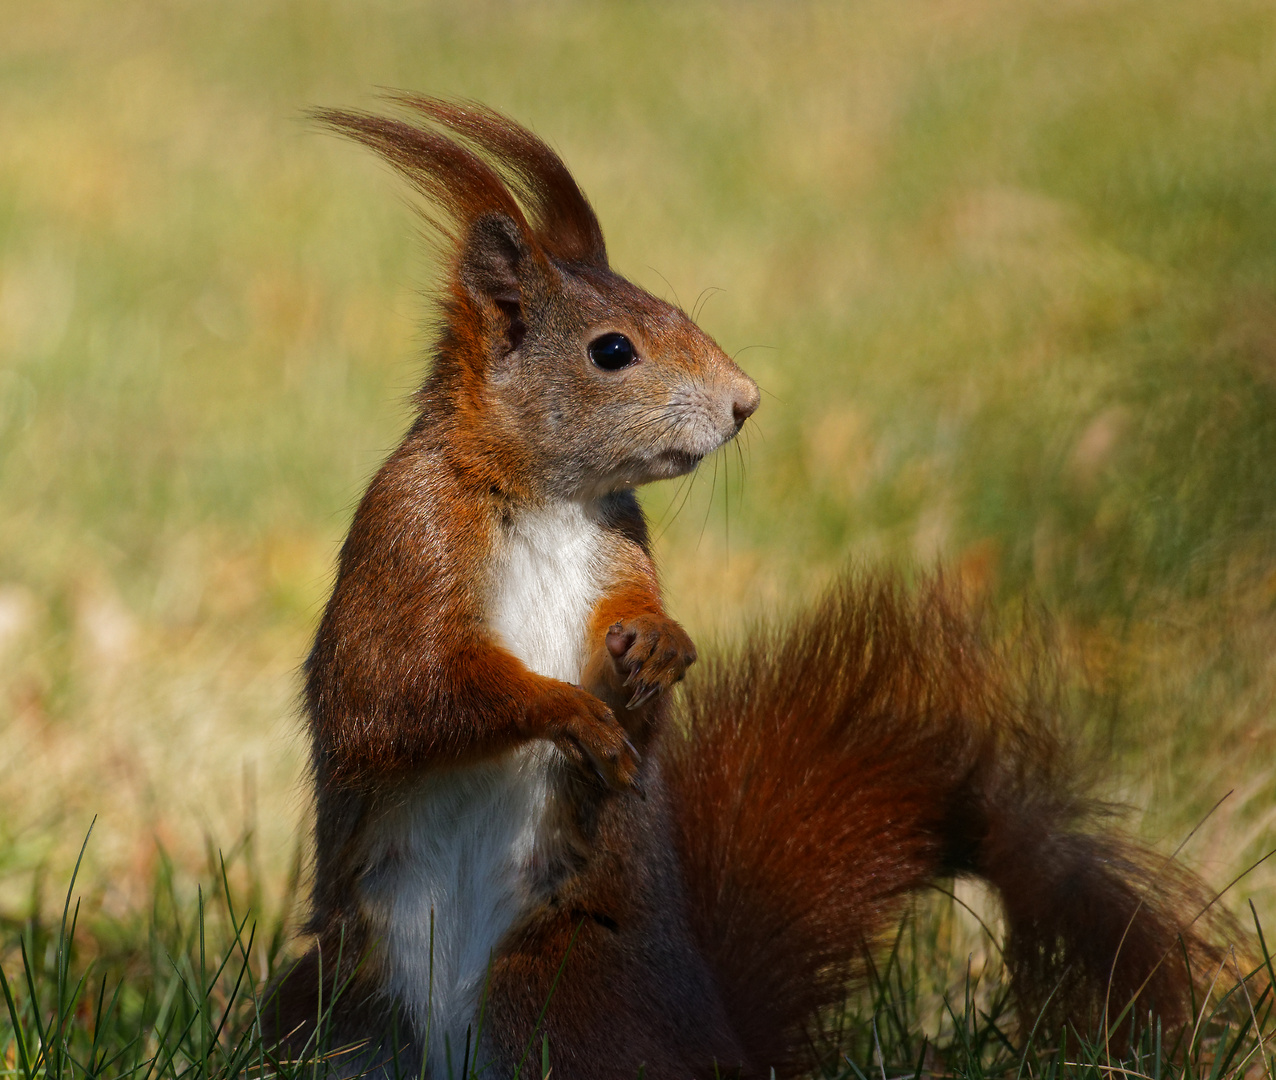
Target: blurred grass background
[{"x": 1006, "y": 270}]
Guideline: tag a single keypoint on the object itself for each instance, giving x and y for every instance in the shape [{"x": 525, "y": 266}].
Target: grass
[
  {"x": 176, "y": 991},
  {"x": 1006, "y": 270}
]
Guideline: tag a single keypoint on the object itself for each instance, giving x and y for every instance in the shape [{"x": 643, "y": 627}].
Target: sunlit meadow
[{"x": 1005, "y": 270}]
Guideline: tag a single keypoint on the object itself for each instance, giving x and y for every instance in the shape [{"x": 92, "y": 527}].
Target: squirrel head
[{"x": 560, "y": 375}]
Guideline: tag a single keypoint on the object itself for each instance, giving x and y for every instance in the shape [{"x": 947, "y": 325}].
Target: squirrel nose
[{"x": 745, "y": 402}]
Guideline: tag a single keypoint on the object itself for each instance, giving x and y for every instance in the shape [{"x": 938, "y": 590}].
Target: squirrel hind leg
[{"x": 311, "y": 1015}]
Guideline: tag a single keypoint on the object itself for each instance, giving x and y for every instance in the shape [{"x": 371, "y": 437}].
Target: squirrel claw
[
  {"x": 649, "y": 653},
  {"x": 643, "y": 695}
]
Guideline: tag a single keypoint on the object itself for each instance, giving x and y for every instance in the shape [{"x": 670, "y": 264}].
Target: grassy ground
[{"x": 1006, "y": 270}]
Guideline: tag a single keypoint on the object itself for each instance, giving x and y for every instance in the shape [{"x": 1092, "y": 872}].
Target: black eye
[{"x": 611, "y": 352}]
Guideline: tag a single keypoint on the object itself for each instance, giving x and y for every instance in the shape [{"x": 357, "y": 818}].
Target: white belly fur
[{"x": 459, "y": 850}]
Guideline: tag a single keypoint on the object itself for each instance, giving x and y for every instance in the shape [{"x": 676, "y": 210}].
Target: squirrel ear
[{"x": 495, "y": 259}]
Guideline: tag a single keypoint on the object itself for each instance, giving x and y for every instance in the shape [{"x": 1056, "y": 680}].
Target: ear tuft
[
  {"x": 511, "y": 167},
  {"x": 562, "y": 220},
  {"x": 452, "y": 178}
]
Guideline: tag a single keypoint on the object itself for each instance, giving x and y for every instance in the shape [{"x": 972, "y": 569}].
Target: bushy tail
[{"x": 879, "y": 742}]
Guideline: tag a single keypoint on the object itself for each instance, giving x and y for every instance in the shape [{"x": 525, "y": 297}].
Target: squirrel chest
[
  {"x": 469, "y": 838},
  {"x": 545, "y": 586}
]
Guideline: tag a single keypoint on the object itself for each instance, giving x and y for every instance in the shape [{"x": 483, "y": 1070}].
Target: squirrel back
[{"x": 516, "y": 838}]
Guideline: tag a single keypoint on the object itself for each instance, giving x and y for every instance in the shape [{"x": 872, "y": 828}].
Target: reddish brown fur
[
  {"x": 870, "y": 746},
  {"x": 709, "y": 887},
  {"x": 449, "y": 176},
  {"x": 562, "y": 219}
]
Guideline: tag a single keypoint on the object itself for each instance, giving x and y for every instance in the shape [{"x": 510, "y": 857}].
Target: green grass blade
[{"x": 23, "y": 1059}]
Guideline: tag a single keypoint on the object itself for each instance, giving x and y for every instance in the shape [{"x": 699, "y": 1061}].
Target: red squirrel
[{"x": 519, "y": 833}]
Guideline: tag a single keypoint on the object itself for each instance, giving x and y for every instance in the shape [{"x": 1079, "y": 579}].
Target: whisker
[
  {"x": 691, "y": 482},
  {"x": 739, "y": 454},
  {"x": 726, "y": 503},
  {"x": 671, "y": 288},
  {"x": 705, "y": 296},
  {"x": 709, "y": 508},
  {"x": 746, "y": 348},
  {"x": 683, "y": 482}
]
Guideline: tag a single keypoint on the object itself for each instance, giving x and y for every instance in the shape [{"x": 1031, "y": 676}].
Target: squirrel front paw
[
  {"x": 650, "y": 653},
  {"x": 586, "y": 731}
]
